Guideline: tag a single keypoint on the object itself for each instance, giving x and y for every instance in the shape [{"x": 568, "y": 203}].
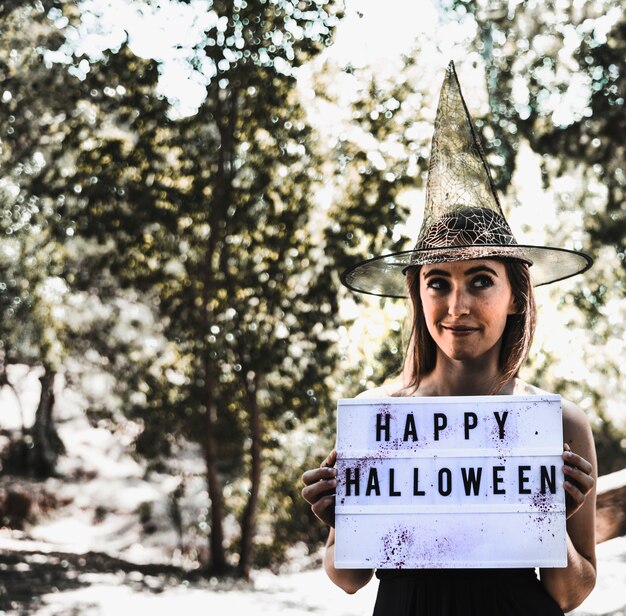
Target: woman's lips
[{"x": 460, "y": 330}]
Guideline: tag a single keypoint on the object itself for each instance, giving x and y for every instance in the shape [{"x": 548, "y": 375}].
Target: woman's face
[{"x": 466, "y": 305}]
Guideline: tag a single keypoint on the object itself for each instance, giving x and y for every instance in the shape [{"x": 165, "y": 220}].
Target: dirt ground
[{"x": 26, "y": 576}]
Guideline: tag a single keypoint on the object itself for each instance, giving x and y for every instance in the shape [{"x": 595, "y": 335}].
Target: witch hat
[{"x": 463, "y": 218}]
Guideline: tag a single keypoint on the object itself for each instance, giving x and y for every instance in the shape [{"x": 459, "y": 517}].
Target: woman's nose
[{"x": 459, "y": 303}]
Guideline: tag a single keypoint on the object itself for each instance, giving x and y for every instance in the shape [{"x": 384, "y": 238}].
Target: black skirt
[{"x": 462, "y": 592}]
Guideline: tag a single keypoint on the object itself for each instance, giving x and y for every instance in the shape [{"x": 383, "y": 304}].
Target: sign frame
[{"x": 411, "y": 494}]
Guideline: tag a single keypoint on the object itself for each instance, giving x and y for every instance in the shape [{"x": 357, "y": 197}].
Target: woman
[{"x": 473, "y": 315}]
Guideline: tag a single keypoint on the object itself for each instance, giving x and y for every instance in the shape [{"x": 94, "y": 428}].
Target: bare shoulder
[
  {"x": 577, "y": 432},
  {"x": 576, "y": 425},
  {"x": 376, "y": 392},
  {"x": 522, "y": 388},
  {"x": 386, "y": 390}
]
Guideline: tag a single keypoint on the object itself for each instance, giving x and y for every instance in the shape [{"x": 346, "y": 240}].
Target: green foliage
[
  {"x": 193, "y": 262},
  {"x": 199, "y": 227},
  {"x": 557, "y": 81},
  {"x": 379, "y": 149},
  {"x": 284, "y": 514},
  {"x": 371, "y": 181},
  {"x": 24, "y": 248}
]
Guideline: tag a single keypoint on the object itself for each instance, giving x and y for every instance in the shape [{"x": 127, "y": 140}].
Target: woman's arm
[
  {"x": 319, "y": 492},
  {"x": 349, "y": 580},
  {"x": 570, "y": 586}
]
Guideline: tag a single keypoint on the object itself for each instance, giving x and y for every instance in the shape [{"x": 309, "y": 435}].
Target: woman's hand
[
  {"x": 319, "y": 491},
  {"x": 578, "y": 480}
]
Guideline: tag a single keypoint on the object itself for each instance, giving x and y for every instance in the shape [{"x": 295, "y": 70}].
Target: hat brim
[{"x": 384, "y": 275}]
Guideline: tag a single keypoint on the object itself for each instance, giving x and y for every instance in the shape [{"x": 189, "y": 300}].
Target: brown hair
[{"x": 421, "y": 352}]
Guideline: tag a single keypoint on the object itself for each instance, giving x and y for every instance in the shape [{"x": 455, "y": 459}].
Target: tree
[
  {"x": 256, "y": 316},
  {"x": 556, "y": 82},
  {"x": 206, "y": 219},
  {"x": 28, "y": 259}
]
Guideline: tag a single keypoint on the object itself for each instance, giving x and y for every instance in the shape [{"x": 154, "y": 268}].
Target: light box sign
[{"x": 450, "y": 482}]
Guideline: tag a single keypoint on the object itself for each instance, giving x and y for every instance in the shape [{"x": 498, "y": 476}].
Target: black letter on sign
[
  {"x": 445, "y": 491},
  {"x": 392, "y": 490},
  {"x": 416, "y": 482},
  {"x": 471, "y": 421},
  {"x": 352, "y": 481},
  {"x": 441, "y": 421},
  {"x": 471, "y": 479},
  {"x": 501, "y": 421},
  {"x": 382, "y": 427},
  {"x": 549, "y": 481},
  {"x": 372, "y": 483},
  {"x": 523, "y": 480},
  {"x": 497, "y": 480},
  {"x": 409, "y": 428}
]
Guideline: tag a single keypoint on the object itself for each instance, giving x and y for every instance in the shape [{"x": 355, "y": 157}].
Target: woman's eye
[
  {"x": 482, "y": 282},
  {"x": 438, "y": 284}
]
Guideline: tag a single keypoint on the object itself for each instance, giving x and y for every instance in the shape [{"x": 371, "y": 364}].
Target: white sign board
[{"x": 454, "y": 482}]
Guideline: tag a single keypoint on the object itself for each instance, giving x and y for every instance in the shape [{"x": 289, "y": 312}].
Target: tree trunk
[
  {"x": 217, "y": 554},
  {"x": 4, "y": 382},
  {"x": 248, "y": 523},
  {"x": 225, "y": 118},
  {"x": 46, "y": 442}
]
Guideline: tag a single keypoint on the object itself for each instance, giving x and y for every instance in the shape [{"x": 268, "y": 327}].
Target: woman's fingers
[
  {"x": 575, "y": 460},
  {"x": 319, "y": 491},
  {"x": 583, "y": 479},
  {"x": 576, "y": 495},
  {"x": 330, "y": 460},
  {"x": 578, "y": 479},
  {"x": 314, "y": 475},
  {"x": 324, "y": 509},
  {"x": 578, "y": 470},
  {"x": 318, "y": 482}
]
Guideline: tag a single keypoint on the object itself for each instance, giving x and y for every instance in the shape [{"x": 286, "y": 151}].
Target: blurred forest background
[{"x": 173, "y": 257}]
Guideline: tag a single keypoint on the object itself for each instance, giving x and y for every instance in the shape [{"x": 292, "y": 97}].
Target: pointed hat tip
[{"x": 451, "y": 73}]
